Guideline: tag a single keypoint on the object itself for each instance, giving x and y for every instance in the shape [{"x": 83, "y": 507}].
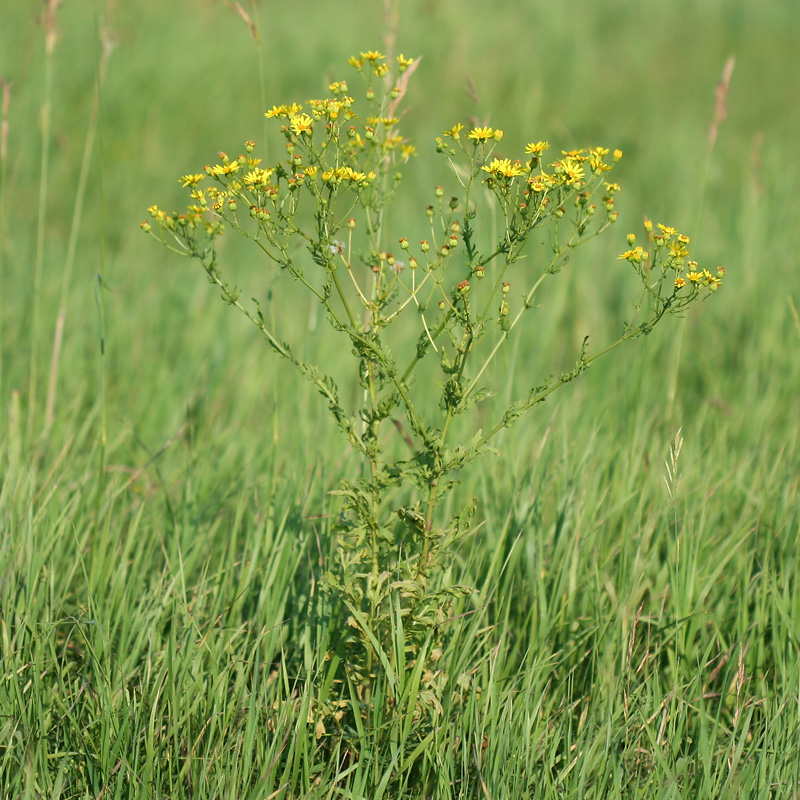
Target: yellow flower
[
  {"x": 355, "y": 62},
  {"x": 637, "y": 255},
  {"x": 191, "y": 180},
  {"x": 504, "y": 167},
  {"x": 257, "y": 176},
  {"x": 694, "y": 277},
  {"x": 404, "y": 63},
  {"x": 311, "y": 171},
  {"x": 598, "y": 165},
  {"x": 454, "y": 132},
  {"x": 678, "y": 250},
  {"x": 372, "y": 55},
  {"x": 571, "y": 170},
  {"x": 225, "y": 169},
  {"x": 301, "y": 123},
  {"x": 666, "y": 230},
  {"x": 537, "y": 148},
  {"x": 482, "y": 134},
  {"x": 407, "y": 150}
]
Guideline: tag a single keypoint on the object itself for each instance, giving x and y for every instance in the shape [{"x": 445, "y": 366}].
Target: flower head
[
  {"x": 484, "y": 134},
  {"x": 504, "y": 167}
]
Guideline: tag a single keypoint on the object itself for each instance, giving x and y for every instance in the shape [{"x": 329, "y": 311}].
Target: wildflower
[
  {"x": 536, "y": 148},
  {"x": 257, "y": 177},
  {"x": 571, "y": 169},
  {"x": 191, "y": 180},
  {"x": 483, "y": 134},
  {"x": 301, "y": 123},
  {"x": 454, "y": 132},
  {"x": 404, "y": 63},
  {"x": 694, "y": 277},
  {"x": 617, "y": 155},
  {"x": 711, "y": 281},
  {"x": 225, "y": 169},
  {"x": 503, "y": 167},
  {"x": 679, "y": 283},
  {"x": 372, "y": 55},
  {"x": 678, "y": 250},
  {"x": 407, "y": 150},
  {"x": 635, "y": 256},
  {"x": 666, "y": 230}
]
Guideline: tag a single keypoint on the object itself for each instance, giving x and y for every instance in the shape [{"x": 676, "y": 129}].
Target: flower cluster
[{"x": 667, "y": 272}]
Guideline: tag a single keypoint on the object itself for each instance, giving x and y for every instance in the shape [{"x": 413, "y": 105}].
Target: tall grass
[{"x": 162, "y": 628}]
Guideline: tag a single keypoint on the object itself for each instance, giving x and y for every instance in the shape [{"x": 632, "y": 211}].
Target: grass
[{"x": 163, "y": 529}]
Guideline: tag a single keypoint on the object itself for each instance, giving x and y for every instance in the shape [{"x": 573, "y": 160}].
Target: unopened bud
[
  {"x": 439, "y": 191},
  {"x": 404, "y": 243},
  {"x": 424, "y": 246}
]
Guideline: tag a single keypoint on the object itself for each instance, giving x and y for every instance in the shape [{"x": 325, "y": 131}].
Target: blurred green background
[
  {"x": 183, "y": 82},
  {"x": 163, "y": 528}
]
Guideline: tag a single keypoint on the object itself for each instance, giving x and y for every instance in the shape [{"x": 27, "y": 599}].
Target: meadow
[{"x": 165, "y": 507}]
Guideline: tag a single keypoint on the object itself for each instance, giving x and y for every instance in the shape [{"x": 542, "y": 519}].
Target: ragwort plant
[{"x": 319, "y": 215}]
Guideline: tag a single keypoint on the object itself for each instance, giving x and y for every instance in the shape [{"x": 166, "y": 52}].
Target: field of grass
[{"x": 164, "y": 480}]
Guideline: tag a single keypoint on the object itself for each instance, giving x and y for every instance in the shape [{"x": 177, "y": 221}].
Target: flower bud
[
  {"x": 463, "y": 287},
  {"x": 559, "y": 212},
  {"x": 351, "y": 223},
  {"x": 480, "y": 272},
  {"x": 404, "y": 243},
  {"x": 412, "y": 262},
  {"x": 453, "y": 203},
  {"x": 441, "y": 305},
  {"x": 631, "y": 239},
  {"x": 439, "y": 191},
  {"x": 145, "y": 226},
  {"x": 370, "y": 94},
  {"x": 445, "y": 251},
  {"x": 613, "y": 216},
  {"x": 506, "y": 287},
  {"x": 249, "y": 146},
  {"x": 424, "y": 246}
]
